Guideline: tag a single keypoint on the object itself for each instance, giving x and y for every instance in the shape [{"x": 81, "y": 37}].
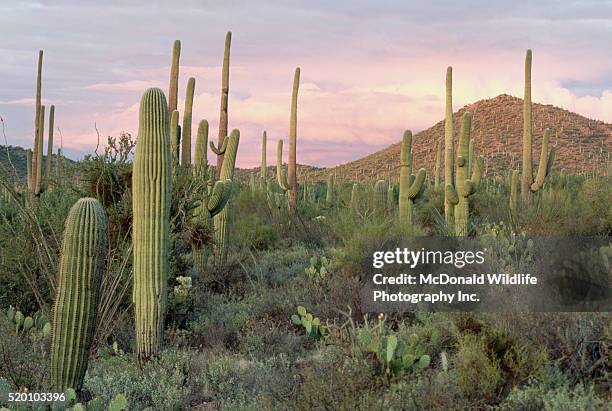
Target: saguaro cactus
[
  {"x": 29, "y": 168},
  {"x": 186, "y": 130},
  {"x": 513, "y": 200},
  {"x": 438, "y": 165},
  {"x": 152, "y": 188},
  {"x": 281, "y": 175},
  {"x": 449, "y": 188},
  {"x": 201, "y": 154},
  {"x": 39, "y": 153},
  {"x": 222, "y": 220},
  {"x": 213, "y": 200},
  {"x": 380, "y": 197},
  {"x": 223, "y": 115},
  {"x": 329, "y": 195},
  {"x": 37, "y": 123},
  {"x": 49, "y": 146},
  {"x": 174, "y": 77},
  {"x": 80, "y": 275},
  {"x": 291, "y": 165},
  {"x": 528, "y": 184},
  {"x": 464, "y": 186},
  {"x": 409, "y": 185},
  {"x": 264, "y": 162},
  {"x": 175, "y": 137}
]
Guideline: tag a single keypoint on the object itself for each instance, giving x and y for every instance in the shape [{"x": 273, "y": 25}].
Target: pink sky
[{"x": 367, "y": 73}]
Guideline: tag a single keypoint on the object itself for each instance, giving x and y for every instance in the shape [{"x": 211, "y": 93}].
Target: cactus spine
[
  {"x": 174, "y": 77},
  {"x": 449, "y": 204},
  {"x": 464, "y": 186},
  {"x": 49, "y": 146},
  {"x": 222, "y": 220},
  {"x": 380, "y": 197},
  {"x": 438, "y": 165},
  {"x": 264, "y": 162},
  {"x": 291, "y": 165},
  {"x": 37, "y": 124},
  {"x": 175, "y": 137},
  {"x": 186, "y": 130},
  {"x": 224, "y": 100},
  {"x": 409, "y": 185},
  {"x": 80, "y": 275},
  {"x": 152, "y": 187}
]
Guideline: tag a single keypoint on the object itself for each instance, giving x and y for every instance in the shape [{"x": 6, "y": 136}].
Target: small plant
[
  {"x": 318, "y": 269},
  {"x": 311, "y": 324}
]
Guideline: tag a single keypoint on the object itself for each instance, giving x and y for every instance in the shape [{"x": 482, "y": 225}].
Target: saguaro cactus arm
[
  {"x": 449, "y": 208},
  {"x": 174, "y": 77},
  {"x": 201, "y": 150},
  {"x": 187, "y": 119},
  {"x": 219, "y": 150},
  {"x": 542, "y": 164},
  {"x": 281, "y": 176}
]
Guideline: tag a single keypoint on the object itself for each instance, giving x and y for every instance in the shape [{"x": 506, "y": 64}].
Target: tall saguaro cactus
[
  {"x": 174, "y": 77},
  {"x": 49, "y": 146},
  {"x": 281, "y": 175},
  {"x": 38, "y": 158},
  {"x": 80, "y": 275},
  {"x": 264, "y": 161},
  {"x": 291, "y": 165},
  {"x": 187, "y": 118},
  {"x": 213, "y": 200},
  {"x": 222, "y": 220},
  {"x": 409, "y": 185},
  {"x": 528, "y": 184},
  {"x": 464, "y": 186},
  {"x": 438, "y": 165},
  {"x": 223, "y": 114},
  {"x": 449, "y": 207},
  {"x": 380, "y": 198},
  {"x": 37, "y": 124},
  {"x": 152, "y": 187},
  {"x": 175, "y": 137},
  {"x": 29, "y": 168}
]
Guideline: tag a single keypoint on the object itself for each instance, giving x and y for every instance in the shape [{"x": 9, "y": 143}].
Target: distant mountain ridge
[{"x": 583, "y": 145}]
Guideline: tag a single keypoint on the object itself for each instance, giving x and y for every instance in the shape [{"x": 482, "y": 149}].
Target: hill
[
  {"x": 18, "y": 160},
  {"x": 583, "y": 145}
]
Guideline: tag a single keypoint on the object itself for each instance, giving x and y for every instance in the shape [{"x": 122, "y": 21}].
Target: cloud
[{"x": 369, "y": 70}]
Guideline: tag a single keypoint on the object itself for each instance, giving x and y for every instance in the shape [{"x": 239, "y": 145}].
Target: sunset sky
[{"x": 369, "y": 68}]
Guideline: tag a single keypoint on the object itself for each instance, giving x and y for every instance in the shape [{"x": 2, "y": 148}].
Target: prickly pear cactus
[
  {"x": 152, "y": 188},
  {"x": 80, "y": 275}
]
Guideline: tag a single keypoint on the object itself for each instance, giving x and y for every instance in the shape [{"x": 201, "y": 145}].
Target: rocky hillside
[{"x": 583, "y": 145}]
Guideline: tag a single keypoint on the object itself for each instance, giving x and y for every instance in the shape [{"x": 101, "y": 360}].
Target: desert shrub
[
  {"x": 24, "y": 357},
  {"x": 554, "y": 391},
  {"x": 329, "y": 380},
  {"x": 159, "y": 384},
  {"x": 478, "y": 375}
]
